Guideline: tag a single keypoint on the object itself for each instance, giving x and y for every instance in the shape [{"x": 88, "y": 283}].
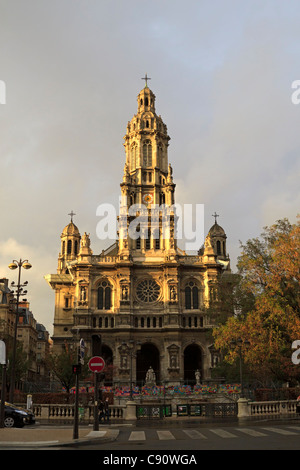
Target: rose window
[{"x": 148, "y": 290}]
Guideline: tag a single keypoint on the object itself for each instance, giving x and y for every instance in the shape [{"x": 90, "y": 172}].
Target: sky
[{"x": 222, "y": 73}]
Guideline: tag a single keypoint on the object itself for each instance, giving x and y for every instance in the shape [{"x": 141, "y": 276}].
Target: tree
[
  {"x": 22, "y": 363},
  {"x": 269, "y": 273},
  {"x": 61, "y": 366}
]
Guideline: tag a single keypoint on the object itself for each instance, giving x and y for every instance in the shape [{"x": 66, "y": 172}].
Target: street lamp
[
  {"x": 129, "y": 349},
  {"x": 240, "y": 345},
  {"x": 14, "y": 265}
]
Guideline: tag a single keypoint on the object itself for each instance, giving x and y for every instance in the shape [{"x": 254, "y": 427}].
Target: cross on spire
[
  {"x": 146, "y": 78},
  {"x": 215, "y": 215},
  {"x": 72, "y": 214}
]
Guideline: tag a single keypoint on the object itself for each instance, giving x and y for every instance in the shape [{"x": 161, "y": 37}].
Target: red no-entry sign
[{"x": 96, "y": 364}]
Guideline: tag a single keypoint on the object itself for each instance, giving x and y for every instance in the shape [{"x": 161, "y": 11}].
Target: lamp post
[
  {"x": 240, "y": 345},
  {"x": 14, "y": 265},
  {"x": 130, "y": 349}
]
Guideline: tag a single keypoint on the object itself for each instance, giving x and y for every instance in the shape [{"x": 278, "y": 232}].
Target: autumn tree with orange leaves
[{"x": 269, "y": 273}]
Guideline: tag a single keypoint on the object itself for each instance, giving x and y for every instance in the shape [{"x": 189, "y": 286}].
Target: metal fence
[
  {"x": 153, "y": 411},
  {"x": 211, "y": 410}
]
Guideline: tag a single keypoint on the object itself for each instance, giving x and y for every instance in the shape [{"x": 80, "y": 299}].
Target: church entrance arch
[
  {"x": 192, "y": 362},
  {"x": 147, "y": 356}
]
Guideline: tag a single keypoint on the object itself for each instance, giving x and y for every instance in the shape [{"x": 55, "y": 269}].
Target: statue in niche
[
  {"x": 124, "y": 362},
  {"x": 125, "y": 293},
  {"x": 173, "y": 296},
  {"x": 173, "y": 361},
  {"x": 83, "y": 294}
]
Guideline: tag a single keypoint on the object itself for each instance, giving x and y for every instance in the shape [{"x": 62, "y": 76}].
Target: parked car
[
  {"x": 29, "y": 419},
  {"x": 14, "y": 417}
]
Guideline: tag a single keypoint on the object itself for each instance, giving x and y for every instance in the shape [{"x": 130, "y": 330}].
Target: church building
[{"x": 142, "y": 302}]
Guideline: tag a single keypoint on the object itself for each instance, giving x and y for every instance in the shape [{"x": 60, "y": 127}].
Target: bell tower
[
  {"x": 70, "y": 244},
  {"x": 148, "y": 179}
]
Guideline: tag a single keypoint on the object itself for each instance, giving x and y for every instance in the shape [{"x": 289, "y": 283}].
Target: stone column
[{"x": 243, "y": 409}]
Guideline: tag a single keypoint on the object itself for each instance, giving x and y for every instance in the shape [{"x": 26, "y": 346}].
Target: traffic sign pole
[
  {"x": 96, "y": 365},
  {"x": 78, "y": 368},
  {"x": 96, "y": 417},
  {"x": 3, "y": 389}
]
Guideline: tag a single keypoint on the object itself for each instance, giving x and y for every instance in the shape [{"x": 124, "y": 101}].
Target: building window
[
  {"x": 134, "y": 155},
  {"x": 191, "y": 296},
  {"x": 218, "y": 247},
  {"x": 69, "y": 248},
  {"x": 147, "y": 241},
  {"x": 147, "y": 154},
  {"x": 148, "y": 291},
  {"x": 104, "y": 296}
]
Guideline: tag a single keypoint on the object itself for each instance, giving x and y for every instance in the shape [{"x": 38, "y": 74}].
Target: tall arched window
[
  {"x": 191, "y": 296},
  {"x": 69, "y": 247},
  {"x": 147, "y": 154},
  {"x": 159, "y": 162},
  {"x": 218, "y": 247},
  {"x": 104, "y": 296},
  {"x": 133, "y": 157}
]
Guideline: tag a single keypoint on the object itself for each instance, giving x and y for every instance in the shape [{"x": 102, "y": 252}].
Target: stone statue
[
  {"x": 150, "y": 377},
  {"x": 197, "y": 376},
  {"x": 85, "y": 241}
]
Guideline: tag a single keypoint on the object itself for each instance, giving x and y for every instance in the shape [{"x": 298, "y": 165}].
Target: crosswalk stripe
[
  {"x": 165, "y": 435},
  {"x": 193, "y": 434},
  {"x": 251, "y": 432},
  {"x": 137, "y": 436},
  {"x": 297, "y": 428},
  {"x": 280, "y": 431},
  {"x": 222, "y": 433}
]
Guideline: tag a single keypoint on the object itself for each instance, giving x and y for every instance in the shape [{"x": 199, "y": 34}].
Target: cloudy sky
[{"x": 222, "y": 72}]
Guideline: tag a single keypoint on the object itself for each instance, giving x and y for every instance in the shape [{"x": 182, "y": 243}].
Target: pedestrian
[
  {"x": 101, "y": 411},
  {"x": 106, "y": 410}
]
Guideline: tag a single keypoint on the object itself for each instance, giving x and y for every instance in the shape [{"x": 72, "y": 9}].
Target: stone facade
[{"x": 144, "y": 296}]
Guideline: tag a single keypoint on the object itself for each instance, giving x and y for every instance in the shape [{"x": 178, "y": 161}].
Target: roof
[{"x": 70, "y": 229}]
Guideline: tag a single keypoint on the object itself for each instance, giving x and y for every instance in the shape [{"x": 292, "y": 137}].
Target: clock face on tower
[{"x": 147, "y": 198}]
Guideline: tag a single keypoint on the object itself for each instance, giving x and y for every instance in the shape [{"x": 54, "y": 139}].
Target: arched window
[
  {"x": 159, "y": 162},
  {"x": 218, "y": 247},
  {"x": 69, "y": 247},
  {"x": 133, "y": 157},
  {"x": 104, "y": 296},
  {"x": 191, "y": 296},
  {"x": 147, "y": 154}
]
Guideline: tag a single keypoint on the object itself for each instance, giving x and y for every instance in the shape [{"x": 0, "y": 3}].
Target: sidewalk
[{"x": 53, "y": 436}]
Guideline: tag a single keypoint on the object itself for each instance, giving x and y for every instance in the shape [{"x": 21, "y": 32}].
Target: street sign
[{"x": 96, "y": 364}]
